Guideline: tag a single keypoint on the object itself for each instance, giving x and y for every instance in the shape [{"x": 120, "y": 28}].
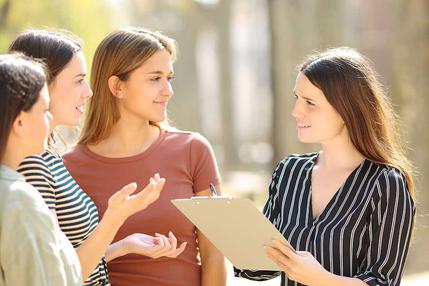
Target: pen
[{"x": 213, "y": 190}]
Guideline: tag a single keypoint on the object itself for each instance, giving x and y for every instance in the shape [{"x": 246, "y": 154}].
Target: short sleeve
[
  {"x": 203, "y": 164},
  {"x": 37, "y": 173},
  {"x": 35, "y": 252},
  {"x": 390, "y": 230},
  {"x": 271, "y": 211}
]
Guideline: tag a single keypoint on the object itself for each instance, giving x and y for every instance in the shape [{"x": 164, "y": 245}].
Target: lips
[
  {"x": 303, "y": 125},
  {"x": 163, "y": 103}
]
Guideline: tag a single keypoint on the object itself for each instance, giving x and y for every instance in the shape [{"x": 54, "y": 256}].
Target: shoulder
[
  {"x": 76, "y": 153},
  {"x": 296, "y": 161},
  {"x": 21, "y": 195},
  {"x": 391, "y": 184},
  {"x": 36, "y": 164},
  {"x": 185, "y": 137}
]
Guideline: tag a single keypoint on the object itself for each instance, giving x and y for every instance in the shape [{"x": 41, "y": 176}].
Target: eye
[
  {"x": 310, "y": 103},
  {"x": 155, "y": 78},
  {"x": 80, "y": 81},
  {"x": 171, "y": 77}
]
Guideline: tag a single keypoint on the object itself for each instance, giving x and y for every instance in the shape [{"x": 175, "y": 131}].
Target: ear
[
  {"x": 115, "y": 86},
  {"x": 18, "y": 126}
]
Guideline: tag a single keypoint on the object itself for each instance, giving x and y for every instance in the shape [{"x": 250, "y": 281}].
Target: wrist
[
  {"x": 112, "y": 220},
  {"x": 116, "y": 249},
  {"x": 123, "y": 247},
  {"x": 324, "y": 278}
]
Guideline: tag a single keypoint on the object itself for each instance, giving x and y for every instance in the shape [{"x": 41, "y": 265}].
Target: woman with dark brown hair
[
  {"x": 347, "y": 210},
  {"x": 32, "y": 249}
]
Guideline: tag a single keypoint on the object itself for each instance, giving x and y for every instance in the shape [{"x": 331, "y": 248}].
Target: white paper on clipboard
[{"x": 236, "y": 227}]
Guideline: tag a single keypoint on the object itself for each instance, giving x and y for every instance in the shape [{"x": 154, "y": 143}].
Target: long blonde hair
[
  {"x": 350, "y": 85},
  {"x": 120, "y": 53}
]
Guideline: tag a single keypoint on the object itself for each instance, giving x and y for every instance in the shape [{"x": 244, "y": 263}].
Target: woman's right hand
[
  {"x": 153, "y": 246},
  {"x": 123, "y": 204}
]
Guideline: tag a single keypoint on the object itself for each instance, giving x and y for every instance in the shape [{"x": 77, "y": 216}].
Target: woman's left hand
[
  {"x": 299, "y": 266},
  {"x": 153, "y": 246}
]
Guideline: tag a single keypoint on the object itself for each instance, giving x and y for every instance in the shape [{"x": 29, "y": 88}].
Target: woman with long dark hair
[{"x": 348, "y": 210}]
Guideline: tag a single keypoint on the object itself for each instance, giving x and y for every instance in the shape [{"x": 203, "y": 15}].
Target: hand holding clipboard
[{"x": 235, "y": 226}]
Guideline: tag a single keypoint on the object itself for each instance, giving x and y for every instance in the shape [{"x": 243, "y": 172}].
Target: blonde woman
[{"x": 124, "y": 137}]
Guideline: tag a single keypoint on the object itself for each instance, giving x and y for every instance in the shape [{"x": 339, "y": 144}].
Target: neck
[
  {"x": 340, "y": 153},
  {"x": 129, "y": 137},
  {"x": 131, "y": 133},
  {"x": 12, "y": 158}
]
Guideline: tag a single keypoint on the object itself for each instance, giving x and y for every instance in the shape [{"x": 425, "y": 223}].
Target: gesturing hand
[
  {"x": 153, "y": 246},
  {"x": 123, "y": 204},
  {"x": 299, "y": 266}
]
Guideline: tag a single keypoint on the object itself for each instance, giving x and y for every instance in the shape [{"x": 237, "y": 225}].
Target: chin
[
  {"x": 158, "y": 118},
  {"x": 302, "y": 139}
]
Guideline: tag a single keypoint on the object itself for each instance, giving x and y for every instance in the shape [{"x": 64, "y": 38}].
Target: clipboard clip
[
  {"x": 213, "y": 194},
  {"x": 213, "y": 190}
]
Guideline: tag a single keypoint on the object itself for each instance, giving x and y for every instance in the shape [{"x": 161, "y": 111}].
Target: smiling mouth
[
  {"x": 80, "y": 109},
  {"x": 303, "y": 125}
]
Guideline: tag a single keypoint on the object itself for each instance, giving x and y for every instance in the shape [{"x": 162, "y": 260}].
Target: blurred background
[{"x": 236, "y": 70}]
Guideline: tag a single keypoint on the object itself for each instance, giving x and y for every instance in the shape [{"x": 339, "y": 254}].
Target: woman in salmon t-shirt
[{"x": 124, "y": 138}]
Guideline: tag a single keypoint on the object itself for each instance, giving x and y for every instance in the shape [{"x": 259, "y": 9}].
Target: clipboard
[{"x": 236, "y": 227}]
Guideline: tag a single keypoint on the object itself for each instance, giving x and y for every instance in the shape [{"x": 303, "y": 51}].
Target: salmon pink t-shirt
[{"x": 187, "y": 162}]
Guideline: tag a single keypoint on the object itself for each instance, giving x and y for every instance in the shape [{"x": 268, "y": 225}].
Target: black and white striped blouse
[
  {"x": 363, "y": 232},
  {"x": 76, "y": 213}
]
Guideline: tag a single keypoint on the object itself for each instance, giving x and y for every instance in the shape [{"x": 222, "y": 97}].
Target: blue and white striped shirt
[{"x": 76, "y": 213}]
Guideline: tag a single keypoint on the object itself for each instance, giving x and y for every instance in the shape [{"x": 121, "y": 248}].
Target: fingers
[
  {"x": 181, "y": 248},
  {"x": 167, "y": 243},
  {"x": 173, "y": 240},
  {"x": 170, "y": 245},
  {"x": 128, "y": 189},
  {"x": 276, "y": 255},
  {"x": 283, "y": 248},
  {"x": 152, "y": 191},
  {"x": 124, "y": 192}
]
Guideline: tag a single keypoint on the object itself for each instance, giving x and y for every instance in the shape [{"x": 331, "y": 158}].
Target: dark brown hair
[
  {"x": 55, "y": 48},
  {"x": 21, "y": 80},
  {"x": 349, "y": 83}
]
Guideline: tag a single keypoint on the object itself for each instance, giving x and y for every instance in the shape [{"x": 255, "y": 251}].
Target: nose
[
  {"x": 296, "y": 111},
  {"x": 167, "y": 89},
  {"x": 88, "y": 90}
]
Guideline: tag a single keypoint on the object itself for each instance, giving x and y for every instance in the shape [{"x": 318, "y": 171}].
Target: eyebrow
[
  {"x": 304, "y": 97},
  {"x": 159, "y": 72},
  {"x": 80, "y": 74}
]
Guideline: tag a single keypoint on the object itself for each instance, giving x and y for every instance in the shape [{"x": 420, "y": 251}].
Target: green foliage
[{"x": 90, "y": 20}]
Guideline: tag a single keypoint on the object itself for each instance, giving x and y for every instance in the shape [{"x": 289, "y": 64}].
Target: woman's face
[
  {"x": 146, "y": 92},
  {"x": 36, "y": 125},
  {"x": 317, "y": 121},
  {"x": 69, "y": 91}
]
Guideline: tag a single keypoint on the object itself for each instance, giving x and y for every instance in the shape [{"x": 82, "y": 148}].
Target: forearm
[
  {"x": 213, "y": 270},
  {"x": 329, "y": 279},
  {"x": 92, "y": 250}
]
